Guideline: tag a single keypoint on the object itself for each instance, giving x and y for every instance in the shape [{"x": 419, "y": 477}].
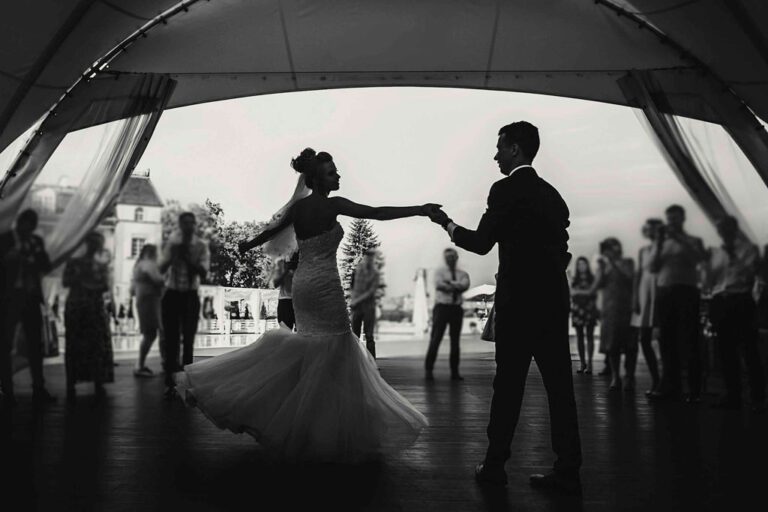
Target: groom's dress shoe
[
  {"x": 490, "y": 475},
  {"x": 557, "y": 483},
  {"x": 429, "y": 377}
]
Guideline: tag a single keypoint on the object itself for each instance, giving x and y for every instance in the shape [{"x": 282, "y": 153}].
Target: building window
[
  {"x": 138, "y": 214},
  {"x": 136, "y": 246}
]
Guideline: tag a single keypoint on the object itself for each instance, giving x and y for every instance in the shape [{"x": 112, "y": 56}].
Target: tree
[
  {"x": 360, "y": 238},
  {"x": 250, "y": 270},
  {"x": 228, "y": 267}
]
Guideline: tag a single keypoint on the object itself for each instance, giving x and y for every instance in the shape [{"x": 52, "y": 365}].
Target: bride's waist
[{"x": 320, "y": 269}]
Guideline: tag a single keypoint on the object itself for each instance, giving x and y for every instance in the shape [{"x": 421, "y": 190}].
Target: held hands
[
  {"x": 429, "y": 209},
  {"x": 435, "y": 213},
  {"x": 243, "y": 247}
]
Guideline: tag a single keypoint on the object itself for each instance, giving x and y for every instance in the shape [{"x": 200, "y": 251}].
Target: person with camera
[
  {"x": 23, "y": 262},
  {"x": 185, "y": 263},
  {"x": 676, "y": 256}
]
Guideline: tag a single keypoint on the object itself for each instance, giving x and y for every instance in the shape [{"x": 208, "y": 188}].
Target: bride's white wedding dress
[{"x": 311, "y": 395}]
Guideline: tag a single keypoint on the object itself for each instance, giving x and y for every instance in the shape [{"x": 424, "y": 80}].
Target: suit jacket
[
  {"x": 11, "y": 265},
  {"x": 528, "y": 218}
]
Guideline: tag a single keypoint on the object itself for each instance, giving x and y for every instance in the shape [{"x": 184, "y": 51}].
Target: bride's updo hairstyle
[{"x": 309, "y": 163}]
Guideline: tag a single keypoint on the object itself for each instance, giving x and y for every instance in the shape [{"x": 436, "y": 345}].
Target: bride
[{"x": 313, "y": 395}]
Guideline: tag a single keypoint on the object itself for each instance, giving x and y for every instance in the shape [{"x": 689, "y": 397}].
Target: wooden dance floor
[{"x": 136, "y": 452}]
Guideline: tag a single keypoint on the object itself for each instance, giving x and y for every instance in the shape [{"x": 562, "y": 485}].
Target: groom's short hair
[{"x": 524, "y": 134}]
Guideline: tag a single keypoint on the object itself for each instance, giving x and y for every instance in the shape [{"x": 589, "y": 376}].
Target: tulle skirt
[{"x": 303, "y": 398}]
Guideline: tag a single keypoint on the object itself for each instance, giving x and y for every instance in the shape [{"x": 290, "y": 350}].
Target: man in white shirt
[
  {"x": 450, "y": 283},
  {"x": 362, "y": 301},
  {"x": 185, "y": 262},
  {"x": 733, "y": 279},
  {"x": 675, "y": 257}
]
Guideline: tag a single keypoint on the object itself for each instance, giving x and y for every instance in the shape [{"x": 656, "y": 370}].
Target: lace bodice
[{"x": 318, "y": 298}]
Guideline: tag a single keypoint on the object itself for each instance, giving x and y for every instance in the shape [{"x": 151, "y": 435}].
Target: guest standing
[
  {"x": 365, "y": 284},
  {"x": 88, "y": 356},
  {"x": 282, "y": 277},
  {"x": 185, "y": 262},
  {"x": 584, "y": 312},
  {"x": 676, "y": 256},
  {"x": 450, "y": 283},
  {"x": 23, "y": 262},
  {"x": 733, "y": 279},
  {"x": 644, "y": 317},
  {"x": 615, "y": 275},
  {"x": 147, "y": 287}
]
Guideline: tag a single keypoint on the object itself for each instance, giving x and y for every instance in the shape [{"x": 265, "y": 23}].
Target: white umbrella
[{"x": 482, "y": 292}]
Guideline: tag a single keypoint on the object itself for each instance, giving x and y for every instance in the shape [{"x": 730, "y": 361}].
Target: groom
[{"x": 528, "y": 219}]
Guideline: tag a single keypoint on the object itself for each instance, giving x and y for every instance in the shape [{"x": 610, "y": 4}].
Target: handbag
[{"x": 489, "y": 331}]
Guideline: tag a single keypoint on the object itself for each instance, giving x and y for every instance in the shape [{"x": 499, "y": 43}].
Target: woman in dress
[
  {"x": 147, "y": 287},
  {"x": 88, "y": 356},
  {"x": 584, "y": 312},
  {"x": 316, "y": 394},
  {"x": 614, "y": 279},
  {"x": 644, "y": 302}
]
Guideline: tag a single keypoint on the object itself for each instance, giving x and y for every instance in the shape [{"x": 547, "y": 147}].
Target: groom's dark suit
[{"x": 528, "y": 219}]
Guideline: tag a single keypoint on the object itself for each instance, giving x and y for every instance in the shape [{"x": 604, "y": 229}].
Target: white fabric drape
[
  {"x": 137, "y": 102},
  {"x": 100, "y": 184},
  {"x": 700, "y": 154}
]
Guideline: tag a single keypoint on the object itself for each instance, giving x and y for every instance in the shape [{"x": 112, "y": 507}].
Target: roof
[
  {"x": 139, "y": 191},
  {"x": 220, "y": 50}
]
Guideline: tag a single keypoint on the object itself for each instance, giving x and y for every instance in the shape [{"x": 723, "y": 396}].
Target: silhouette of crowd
[
  {"x": 677, "y": 287},
  {"x": 165, "y": 286}
]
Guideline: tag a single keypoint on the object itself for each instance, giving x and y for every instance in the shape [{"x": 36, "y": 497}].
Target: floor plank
[{"x": 137, "y": 452}]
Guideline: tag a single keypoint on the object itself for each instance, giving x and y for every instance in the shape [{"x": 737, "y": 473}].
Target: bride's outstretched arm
[
  {"x": 267, "y": 234},
  {"x": 349, "y": 208}
]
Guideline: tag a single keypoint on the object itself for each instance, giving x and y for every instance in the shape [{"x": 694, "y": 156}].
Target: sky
[{"x": 405, "y": 146}]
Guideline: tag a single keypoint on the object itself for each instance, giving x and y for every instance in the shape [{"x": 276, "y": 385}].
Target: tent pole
[
  {"x": 739, "y": 108},
  {"x": 39, "y": 66},
  {"x": 665, "y": 39}
]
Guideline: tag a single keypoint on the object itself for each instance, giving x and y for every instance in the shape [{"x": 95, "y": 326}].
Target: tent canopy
[{"x": 223, "y": 49}]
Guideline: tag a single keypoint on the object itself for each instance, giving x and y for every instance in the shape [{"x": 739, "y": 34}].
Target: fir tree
[{"x": 360, "y": 238}]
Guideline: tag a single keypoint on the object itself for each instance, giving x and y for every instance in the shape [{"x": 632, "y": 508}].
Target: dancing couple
[{"x": 316, "y": 394}]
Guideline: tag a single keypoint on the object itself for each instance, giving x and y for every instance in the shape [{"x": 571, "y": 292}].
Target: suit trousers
[
  {"x": 24, "y": 309},
  {"x": 535, "y": 330},
  {"x": 451, "y": 316},
  {"x": 734, "y": 322},
  {"x": 364, "y": 319},
  {"x": 181, "y": 313},
  {"x": 679, "y": 336}
]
